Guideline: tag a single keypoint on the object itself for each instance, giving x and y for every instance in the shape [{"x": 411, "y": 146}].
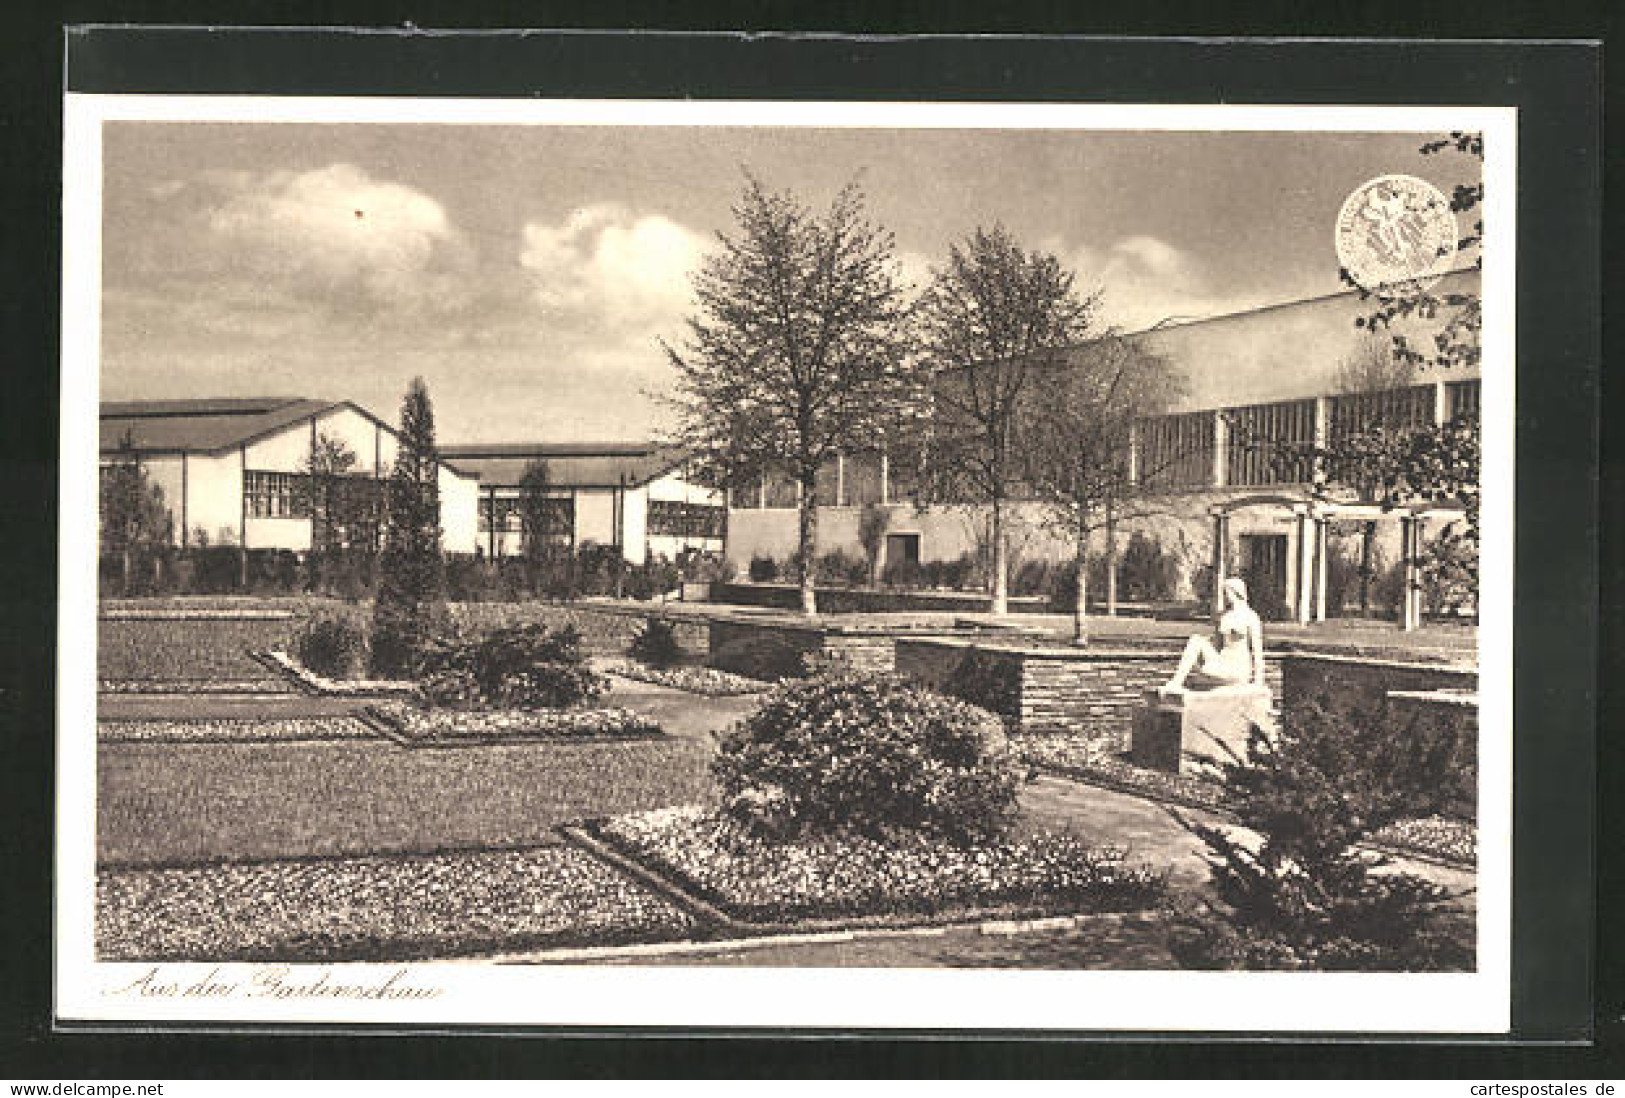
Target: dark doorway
[
  {"x": 902, "y": 549},
  {"x": 1263, "y": 567}
]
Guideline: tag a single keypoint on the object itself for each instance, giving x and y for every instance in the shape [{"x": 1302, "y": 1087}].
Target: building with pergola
[{"x": 1255, "y": 382}]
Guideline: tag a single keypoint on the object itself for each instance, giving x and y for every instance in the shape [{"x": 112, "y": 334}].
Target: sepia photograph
[{"x": 585, "y": 562}]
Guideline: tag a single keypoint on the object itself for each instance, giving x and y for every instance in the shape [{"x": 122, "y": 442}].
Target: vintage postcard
[{"x": 876, "y": 566}]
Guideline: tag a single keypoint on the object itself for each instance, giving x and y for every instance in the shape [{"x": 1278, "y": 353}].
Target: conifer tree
[{"x": 409, "y": 587}]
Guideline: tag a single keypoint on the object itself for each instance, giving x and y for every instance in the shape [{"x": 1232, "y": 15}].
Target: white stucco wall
[
  {"x": 214, "y": 496},
  {"x": 635, "y": 525},
  {"x": 595, "y": 515},
  {"x": 459, "y": 511}
]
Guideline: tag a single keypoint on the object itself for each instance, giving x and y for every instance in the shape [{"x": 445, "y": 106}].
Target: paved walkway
[
  {"x": 1152, "y": 835},
  {"x": 681, "y": 712}
]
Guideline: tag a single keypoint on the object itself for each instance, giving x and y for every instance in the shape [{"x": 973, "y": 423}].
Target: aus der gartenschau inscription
[{"x": 276, "y": 982}]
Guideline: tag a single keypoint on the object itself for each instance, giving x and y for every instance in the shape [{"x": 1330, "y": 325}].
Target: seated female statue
[{"x": 1232, "y": 656}]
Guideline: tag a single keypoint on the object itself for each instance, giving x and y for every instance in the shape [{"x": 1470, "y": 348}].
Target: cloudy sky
[{"x": 527, "y": 272}]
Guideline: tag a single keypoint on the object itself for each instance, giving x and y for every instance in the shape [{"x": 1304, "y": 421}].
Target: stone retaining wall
[
  {"x": 773, "y": 649},
  {"x": 1362, "y": 680},
  {"x": 1052, "y": 690}
]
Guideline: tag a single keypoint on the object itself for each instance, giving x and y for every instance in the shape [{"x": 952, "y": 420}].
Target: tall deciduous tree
[
  {"x": 1372, "y": 367},
  {"x": 995, "y": 319},
  {"x": 134, "y": 517},
  {"x": 409, "y": 586},
  {"x": 1393, "y": 464},
  {"x": 1078, "y": 445},
  {"x": 328, "y": 463},
  {"x": 797, "y": 351}
]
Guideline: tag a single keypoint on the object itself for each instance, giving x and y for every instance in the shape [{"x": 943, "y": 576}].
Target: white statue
[{"x": 1232, "y": 656}]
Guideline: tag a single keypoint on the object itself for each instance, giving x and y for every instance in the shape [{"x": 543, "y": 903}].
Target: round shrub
[
  {"x": 870, "y": 754},
  {"x": 656, "y": 644},
  {"x": 332, "y": 647},
  {"x": 519, "y": 667}
]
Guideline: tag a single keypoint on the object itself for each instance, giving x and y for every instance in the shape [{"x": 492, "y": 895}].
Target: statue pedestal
[{"x": 1172, "y": 728}]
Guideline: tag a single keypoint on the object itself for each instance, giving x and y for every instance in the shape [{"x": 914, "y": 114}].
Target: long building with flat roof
[
  {"x": 1268, "y": 374},
  {"x": 633, "y": 495}
]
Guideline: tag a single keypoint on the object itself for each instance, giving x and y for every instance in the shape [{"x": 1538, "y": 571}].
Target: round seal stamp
[{"x": 1396, "y": 235}]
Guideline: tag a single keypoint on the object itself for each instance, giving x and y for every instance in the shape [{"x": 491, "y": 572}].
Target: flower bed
[
  {"x": 194, "y": 686},
  {"x": 194, "y": 613},
  {"x": 321, "y": 684},
  {"x": 696, "y": 680},
  {"x": 1100, "y": 761},
  {"x": 451, "y": 727},
  {"x": 375, "y": 908},
  {"x": 245, "y": 730},
  {"x": 1438, "y": 838},
  {"x": 851, "y": 878}
]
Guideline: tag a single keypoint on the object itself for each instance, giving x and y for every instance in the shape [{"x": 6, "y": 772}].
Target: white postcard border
[{"x": 484, "y": 994}]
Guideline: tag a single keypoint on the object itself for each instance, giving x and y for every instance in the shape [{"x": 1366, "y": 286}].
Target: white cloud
[
  {"x": 610, "y": 271},
  {"x": 340, "y": 235},
  {"x": 1146, "y": 280}
]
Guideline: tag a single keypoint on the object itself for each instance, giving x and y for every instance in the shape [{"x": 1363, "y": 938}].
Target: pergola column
[
  {"x": 1303, "y": 587},
  {"x": 1323, "y": 529},
  {"x": 1221, "y": 541},
  {"x": 1410, "y": 528}
]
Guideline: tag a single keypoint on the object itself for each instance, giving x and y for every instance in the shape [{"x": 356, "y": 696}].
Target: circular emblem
[{"x": 1396, "y": 235}]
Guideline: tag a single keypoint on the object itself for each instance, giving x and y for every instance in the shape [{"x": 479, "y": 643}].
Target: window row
[
  {"x": 276, "y": 495},
  {"x": 1263, "y": 446},
  {"x": 669, "y": 518},
  {"x": 555, "y": 516},
  {"x": 339, "y": 499}
]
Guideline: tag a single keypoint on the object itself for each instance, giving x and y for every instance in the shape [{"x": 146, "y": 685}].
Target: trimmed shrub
[
  {"x": 520, "y": 667},
  {"x": 1145, "y": 573},
  {"x": 332, "y": 647},
  {"x": 763, "y": 569},
  {"x": 988, "y": 683},
  {"x": 650, "y": 580},
  {"x": 698, "y": 566},
  {"x": 839, "y": 566},
  {"x": 656, "y": 644},
  {"x": 1307, "y": 897},
  {"x": 867, "y": 754},
  {"x": 901, "y": 573}
]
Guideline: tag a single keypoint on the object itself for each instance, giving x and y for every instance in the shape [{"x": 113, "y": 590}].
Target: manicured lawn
[
  {"x": 179, "y": 803},
  {"x": 198, "y": 649}
]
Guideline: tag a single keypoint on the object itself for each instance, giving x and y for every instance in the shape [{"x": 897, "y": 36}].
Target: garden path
[
  {"x": 1152, "y": 835},
  {"x": 680, "y": 712}
]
